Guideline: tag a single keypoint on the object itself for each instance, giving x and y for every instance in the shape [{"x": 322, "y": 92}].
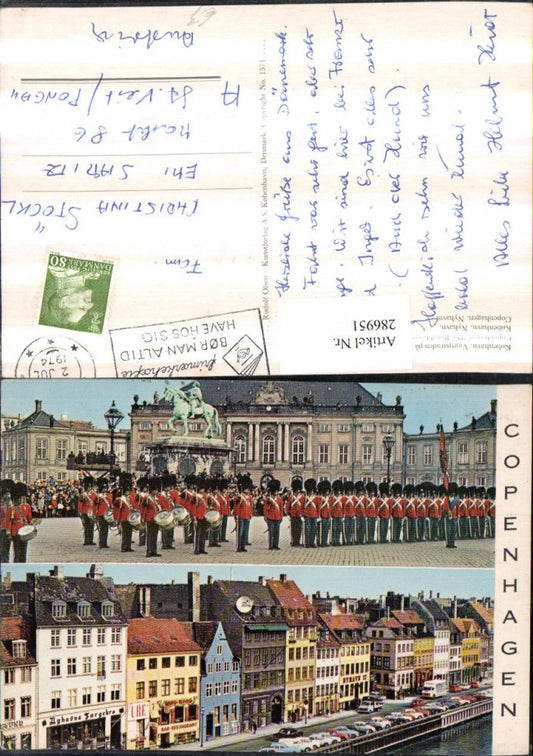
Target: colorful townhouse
[
  {"x": 354, "y": 656},
  {"x": 392, "y": 657},
  {"x": 300, "y": 673},
  {"x": 18, "y": 691},
  {"x": 327, "y": 672},
  {"x": 163, "y": 675},
  {"x": 423, "y": 645}
]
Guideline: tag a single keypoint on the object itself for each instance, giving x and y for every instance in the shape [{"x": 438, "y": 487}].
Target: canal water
[{"x": 473, "y": 737}]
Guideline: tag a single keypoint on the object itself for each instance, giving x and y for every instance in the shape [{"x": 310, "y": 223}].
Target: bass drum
[
  {"x": 213, "y": 518},
  {"x": 165, "y": 519},
  {"x": 27, "y": 532}
]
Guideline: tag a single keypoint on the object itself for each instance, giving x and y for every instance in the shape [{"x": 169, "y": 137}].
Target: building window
[
  {"x": 9, "y": 709},
  {"x": 165, "y": 662},
  {"x": 42, "y": 448},
  {"x": 218, "y": 689},
  {"x": 86, "y": 636},
  {"x": 367, "y": 454},
  {"x": 323, "y": 454},
  {"x": 324, "y": 428},
  {"x": 116, "y": 635},
  {"x": 86, "y": 665},
  {"x": 367, "y": 427},
  {"x": 9, "y": 676},
  {"x": 61, "y": 449},
  {"x": 343, "y": 454},
  {"x": 234, "y": 686},
  {"x": 208, "y": 690},
  {"x": 145, "y": 426},
  {"x": 193, "y": 684},
  {"x": 115, "y": 692},
  {"x": 165, "y": 687},
  {"x": 462, "y": 453},
  {"x": 108, "y": 609},
  {"x": 298, "y": 450},
  {"x": 179, "y": 685},
  {"x": 269, "y": 446},
  {"x": 25, "y": 706},
  {"x": 59, "y": 609},
  {"x": 100, "y": 666},
  {"x": 152, "y": 688},
  {"x": 55, "y": 667},
  {"x": 72, "y": 698},
  {"x": 462, "y": 480},
  {"x": 240, "y": 450},
  {"x": 152, "y": 663},
  {"x": 100, "y": 694},
  {"x": 25, "y": 674},
  {"x": 480, "y": 481},
  {"x": 71, "y": 666},
  {"x": 84, "y": 610},
  {"x": 71, "y": 636},
  {"x": 116, "y": 662},
  {"x": 428, "y": 455},
  {"x": 19, "y": 649},
  {"x": 139, "y": 690},
  {"x": 55, "y": 699},
  {"x": 179, "y": 661},
  {"x": 343, "y": 428},
  {"x": 193, "y": 661},
  {"x": 411, "y": 454},
  {"x": 100, "y": 636},
  {"x": 481, "y": 452},
  {"x": 141, "y": 664},
  {"x": 55, "y": 638},
  {"x": 86, "y": 696}
]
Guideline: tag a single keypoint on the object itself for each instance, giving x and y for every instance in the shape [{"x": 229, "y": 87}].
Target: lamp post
[
  {"x": 202, "y": 727},
  {"x": 113, "y": 417},
  {"x": 388, "y": 443}
]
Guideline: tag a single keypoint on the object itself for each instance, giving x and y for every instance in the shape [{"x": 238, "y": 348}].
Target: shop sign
[
  {"x": 11, "y": 724},
  {"x": 177, "y": 727},
  {"x": 84, "y": 717},
  {"x": 138, "y": 711}
]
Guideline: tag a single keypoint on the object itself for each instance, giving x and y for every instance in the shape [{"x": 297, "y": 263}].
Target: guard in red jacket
[
  {"x": 371, "y": 512},
  {"x": 149, "y": 509},
  {"x": 422, "y": 515},
  {"x": 349, "y": 513},
  {"x": 360, "y": 513},
  {"x": 384, "y": 512},
  {"x": 273, "y": 514},
  {"x": 491, "y": 493},
  {"x": 295, "y": 508},
  {"x": 397, "y": 512},
  {"x": 200, "y": 510},
  {"x": 85, "y": 511},
  {"x": 473, "y": 513},
  {"x": 337, "y": 514},
  {"x": 411, "y": 513},
  {"x": 102, "y": 503},
  {"x": 312, "y": 505},
  {"x": 243, "y": 511},
  {"x": 434, "y": 517},
  {"x": 121, "y": 512},
  {"x": 483, "y": 512},
  {"x": 17, "y": 515}
]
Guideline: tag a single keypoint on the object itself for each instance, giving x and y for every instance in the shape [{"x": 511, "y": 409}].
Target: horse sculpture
[{"x": 186, "y": 407}]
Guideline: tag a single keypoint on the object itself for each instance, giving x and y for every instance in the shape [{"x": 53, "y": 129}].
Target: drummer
[
  {"x": 166, "y": 504},
  {"x": 214, "y": 504},
  {"x": 85, "y": 509},
  {"x": 7, "y": 487},
  {"x": 18, "y": 515},
  {"x": 101, "y": 505},
  {"x": 121, "y": 512},
  {"x": 148, "y": 513}
]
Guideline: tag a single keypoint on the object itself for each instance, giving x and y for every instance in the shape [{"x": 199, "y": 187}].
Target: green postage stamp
[{"x": 75, "y": 293}]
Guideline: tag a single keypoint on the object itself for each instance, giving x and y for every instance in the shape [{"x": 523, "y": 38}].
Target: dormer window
[
  {"x": 83, "y": 609},
  {"x": 108, "y": 609},
  {"x": 59, "y": 609},
  {"x": 19, "y": 649}
]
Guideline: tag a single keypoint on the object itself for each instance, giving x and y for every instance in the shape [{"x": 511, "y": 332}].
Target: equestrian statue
[{"x": 188, "y": 403}]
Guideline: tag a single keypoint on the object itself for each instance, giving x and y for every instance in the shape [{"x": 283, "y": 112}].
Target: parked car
[
  {"x": 376, "y": 697},
  {"x": 419, "y": 702},
  {"x": 341, "y": 733},
  {"x": 380, "y": 723},
  {"x": 455, "y": 688},
  {"x": 288, "y": 732},
  {"x": 325, "y": 738},
  {"x": 280, "y": 748},
  {"x": 364, "y": 727},
  {"x": 413, "y": 713}
]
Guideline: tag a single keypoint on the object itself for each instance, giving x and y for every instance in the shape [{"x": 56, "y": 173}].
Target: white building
[
  {"x": 18, "y": 688},
  {"x": 437, "y": 621},
  {"x": 81, "y": 648}
]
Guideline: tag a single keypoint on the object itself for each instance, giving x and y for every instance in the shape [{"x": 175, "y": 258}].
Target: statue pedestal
[{"x": 189, "y": 455}]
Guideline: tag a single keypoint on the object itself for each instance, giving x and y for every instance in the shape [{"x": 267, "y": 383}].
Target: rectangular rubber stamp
[{"x": 75, "y": 294}]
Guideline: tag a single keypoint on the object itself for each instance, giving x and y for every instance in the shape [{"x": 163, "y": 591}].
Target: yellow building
[
  {"x": 300, "y": 670},
  {"x": 470, "y": 649},
  {"x": 354, "y": 657},
  {"x": 163, "y": 684}
]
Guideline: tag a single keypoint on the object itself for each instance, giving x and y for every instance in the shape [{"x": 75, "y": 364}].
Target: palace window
[
  {"x": 298, "y": 450},
  {"x": 61, "y": 449},
  {"x": 323, "y": 454},
  {"x": 481, "y": 452},
  {"x": 343, "y": 428},
  {"x": 269, "y": 446},
  {"x": 42, "y": 448},
  {"x": 428, "y": 455},
  {"x": 324, "y": 428},
  {"x": 367, "y": 454},
  {"x": 343, "y": 454},
  {"x": 411, "y": 454},
  {"x": 462, "y": 453},
  {"x": 240, "y": 450}
]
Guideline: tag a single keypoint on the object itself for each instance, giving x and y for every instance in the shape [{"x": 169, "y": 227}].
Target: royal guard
[
  {"x": 149, "y": 509},
  {"x": 482, "y": 511},
  {"x": 349, "y": 514},
  {"x": 312, "y": 506},
  {"x": 86, "y": 500},
  {"x": 135, "y": 497},
  {"x": 371, "y": 512},
  {"x": 7, "y": 489},
  {"x": 473, "y": 512},
  {"x": 451, "y": 509},
  {"x": 422, "y": 513},
  {"x": 273, "y": 514},
  {"x": 166, "y": 505},
  {"x": 243, "y": 511},
  {"x": 18, "y": 514},
  {"x": 434, "y": 514},
  {"x": 101, "y": 506},
  {"x": 491, "y": 520},
  {"x": 441, "y": 494},
  {"x": 121, "y": 512},
  {"x": 337, "y": 513},
  {"x": 213, "y": 504},
  {"x": 463, "y": 525},
  {"x": 222, "y": 497},
  {"x": 397, "y": 512},
  {"x": 324, "y": 519},
  {"x": 360, "y": 513},
  {"x": 384, "y": 512},
  {"x": 188, "y": 498},
  {"x": 411, "y": 513},
  {"x": 295, "y": 508},
  {"x": 199, "y": 512}
]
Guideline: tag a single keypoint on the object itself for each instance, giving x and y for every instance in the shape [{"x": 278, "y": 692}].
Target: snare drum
[
  {"x": 27, "y": 532},
  {"x": 108, "y": 517},
  {"x": 134, "y": 519},
  {"x": 213, "y": 518},
  {"x": 181, "y": 516},
  {"x": 164, "y": 519}
]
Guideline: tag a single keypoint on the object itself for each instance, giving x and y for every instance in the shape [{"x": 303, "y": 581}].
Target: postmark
[
  {"x": 231, "y": 342},
  {"x": 75, "y": 294},
  {"x": 55, "y": 357}
]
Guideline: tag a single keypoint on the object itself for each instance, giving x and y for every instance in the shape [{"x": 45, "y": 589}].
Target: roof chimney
[
  {"x": 193, "y": 584},
  {"x": 431, "y": 594},
  {"x": 283, "y": 578},
  {"x": 493, "y": 406},
  {"x": 38, "y": 405},
  {"x": 57, "y": 572}
]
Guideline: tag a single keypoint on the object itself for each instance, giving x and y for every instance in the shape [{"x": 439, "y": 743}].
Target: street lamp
[
  {"x": 202, "y": 727},
  {"x": 388, "y": 443},
  {"x": 113, "y": 416}
]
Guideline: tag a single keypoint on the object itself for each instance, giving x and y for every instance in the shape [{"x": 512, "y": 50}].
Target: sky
[
  {"x": 351, "y": 582},
  {"x": 424, "y": 404}
]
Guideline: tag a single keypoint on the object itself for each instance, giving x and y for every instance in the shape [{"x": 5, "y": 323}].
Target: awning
[{"x": 267, "y": 627}]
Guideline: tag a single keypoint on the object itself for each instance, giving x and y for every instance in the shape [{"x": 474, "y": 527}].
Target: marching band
[{"x": 319, "y": 515}]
